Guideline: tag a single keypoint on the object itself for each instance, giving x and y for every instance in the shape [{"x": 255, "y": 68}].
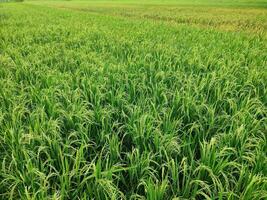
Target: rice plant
[{"x": 133, "y": 100}]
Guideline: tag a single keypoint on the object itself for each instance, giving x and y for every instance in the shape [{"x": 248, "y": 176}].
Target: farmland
[{"x": 133, "y": 99}]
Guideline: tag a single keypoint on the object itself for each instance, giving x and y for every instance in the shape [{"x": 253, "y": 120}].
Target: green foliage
[
  {"x": 107, "y": 105},
  {"x": 2, "y": 1}
]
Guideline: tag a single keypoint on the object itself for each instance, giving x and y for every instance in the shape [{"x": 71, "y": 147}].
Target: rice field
[{"x": 133, "y": 100}]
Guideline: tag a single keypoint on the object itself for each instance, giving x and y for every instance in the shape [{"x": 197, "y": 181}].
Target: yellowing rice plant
[{"x": 133, "y": 100}]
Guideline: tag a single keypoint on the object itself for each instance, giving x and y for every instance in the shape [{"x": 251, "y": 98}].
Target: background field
[{"x": 133, "y": 100}]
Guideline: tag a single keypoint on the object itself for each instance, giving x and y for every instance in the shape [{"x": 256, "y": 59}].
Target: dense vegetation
[{"x": 123, "y": 100}]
